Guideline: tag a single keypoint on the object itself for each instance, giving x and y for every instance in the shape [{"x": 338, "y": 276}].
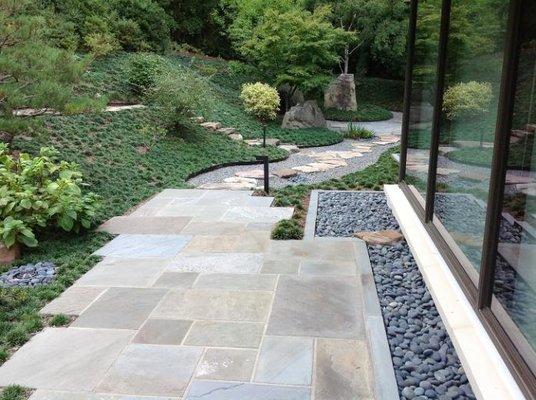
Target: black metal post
[
  {"x": 263, "y": 135},
  {"x": 266, "y": 163}
]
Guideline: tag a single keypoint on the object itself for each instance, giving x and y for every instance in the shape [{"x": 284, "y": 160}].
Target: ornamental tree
[{"x": 260, "y": 100}]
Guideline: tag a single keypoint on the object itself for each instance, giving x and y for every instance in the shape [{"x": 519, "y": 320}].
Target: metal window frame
[{"x": 509, "y": 341}]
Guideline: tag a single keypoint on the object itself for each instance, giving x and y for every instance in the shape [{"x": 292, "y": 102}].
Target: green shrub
[
  {"x": 468, "y": 99},
  {"x": 143, "y": 70},
  {"x": 357, "y": 132},
  {"x": 39, "y": 192},
  {"x": 364, "y": 112},
  {"x": 260, "y": 100},
  {"x": 386, "y": 93},
  {"x": 60, "y": 320},
  {"x": 14, "y": 393},
  {"x": 287, "y": 229}
]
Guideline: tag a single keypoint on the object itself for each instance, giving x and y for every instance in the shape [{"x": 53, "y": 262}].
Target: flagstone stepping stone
[
  {"x": 380, "y": 237},
  {"x": 473, "y": 175},
  {"x": 253, "y": 174},
  {"x": 291, "y": 148},
  {"x": 447, "y": 149},
  {"x": 321, "y": 167},
  {"x": 269, "y": 142},
  {"x": 222, "y": 390},
  {"x": 199, "y": 120},
  {"x": 513, "y": 178},
  {"x": 226, "y": 131},
  {"x": 472, "y": 143},
  {"x": 362, "y": 149},
  {"x": 225, "y": 334},
  {"x": 285, "y": 173},
  {"x": 336, "y": 162},
  {"x": 227, "y": 364},
  {"x": 447, "y": 171},
  {"x": 305, "y": 168},
  {"x": 381, "y": 143},
  {"x": 417, "y": 167},
  {"x": 213, "y": 126},
  {"x": 390, "y": 138},
  {"x": 527, "y": 189},
  {"x": 236, "y": 137}
]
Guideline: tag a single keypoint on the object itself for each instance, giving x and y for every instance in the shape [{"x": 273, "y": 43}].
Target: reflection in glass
[
  {"x": 515, "y": 274},
  {"x": 469, "y": 114},
  {"x": 422, "y": 92}
]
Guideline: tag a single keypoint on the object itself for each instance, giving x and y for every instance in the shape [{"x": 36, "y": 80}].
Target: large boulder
[
  {"x": 340, "y": 94},
  {"x": 306, "y": 115}
]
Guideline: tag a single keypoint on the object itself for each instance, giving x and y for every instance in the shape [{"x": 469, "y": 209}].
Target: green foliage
[
  {"x": 14, "y": 393},
  {"x": 385, "y": 93},
  {"x": 59, "y": 320},
  {"x": 297, "y": 47},
  {"x": 260, "y": 100},
  {"x": 357, "y": 132},
  {"x": 143, "y": 70},
  {"x": 287, "y": 229},
  {"x": 468, "y": 99},
  {"x": 33, "y": 74},
  {"x": 41, "y": 192},
  {"x": 364, "y": 112},
  {"x": 152, "y": 135}
]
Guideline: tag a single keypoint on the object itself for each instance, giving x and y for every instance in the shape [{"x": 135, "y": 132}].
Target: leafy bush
[
  {"x": 39, "y": 192},
  {"x": 14, "y": 393},
  {"x": 143, "y": 70},
  {"x": 364, "y": 112},
  {"x": 260, "y": 100},
  {"x": 357, "y": 132},
  {"x": 385, "y": 93},
  {"x": 287, "y": 229},
  {"x": 467, "y": 99}
]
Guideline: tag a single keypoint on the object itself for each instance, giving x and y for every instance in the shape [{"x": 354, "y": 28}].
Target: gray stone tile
[
  {"x": 236, "y": 282},
  {"x": 225, "y": 334},
  {"x": 312, "y": 267},
  {"x": 145, "y": 225},
  {"x": 120, "y": 308},
  {"x": 227, "y": 364},
  {"x": 61, "y": 395},
  {"x": 65, "y": 359},
  {"x": 331, "y": 250},
  {"x": 221, "y": 390},
  {"x": 226, "y": 198},
  {"x": 73, "y": 301},
  {"x": 260, "y": 226},
  {"x": 203, "y": 227},
  {"x": 150, "y": 207},
  {"x": 257, "y": 214},
  {"x": 260, "y": 201},
  {"x": 280, "y": 265},
  {"x": 317, "y": 306},
  {"x": 135, "y": 246},
  {"x": 163, "y": 331},
  {"x": 205, "y": 304},
  {"x": 151, "y": 370},
  {"x": 180, "y": 193},
  {"x": 342, "y": 370},
  {"x": 239, "y": 263},
  {"x": 176, "y": 280},
  {"x": 124, "y": 272},
  {"x": 285, "y": 360},
  {"x": 194, "y": 211}
]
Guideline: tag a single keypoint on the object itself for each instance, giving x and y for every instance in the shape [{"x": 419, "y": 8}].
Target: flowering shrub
[
  {"x": 40, "y": 192},
  {"x": 260, "y": 100},
  {"x": 467, "y": 99}
]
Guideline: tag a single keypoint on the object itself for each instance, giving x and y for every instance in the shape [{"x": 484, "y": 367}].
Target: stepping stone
[
  {"x": 236, "y": 137},
  {"x": 65, "y": 359},
  {"x": 515, "y": 178},
  {"x": 285, "y": 360},
  {"x": 221, "y": 390},
  {"x": 527, "y": 189},
  {"x": 336, "y": 162},
  {"x": 269, "y": 142},
  {"x": 139, "y": 246},
  {"x": 380, "y": 237},
  {"x": 291, "y": 148},
  {"x": 213, "y": 126},
  {"x": 253, "y": 142},
  {"x": 472, "y": 175},
  {"x": 253, "y": 174},
  {"x": 447, "y": 171},
  {"x": 125, "y": 107},
  {"x": 305, "y": 168},
  {"x": 151, "y": 370},
  {"x": 321, "y": 167},
  {"x": 285, "y": 173},
  {"x": 361, "y": 148},
  {"x": 381, "y": 143},
  {"x": 144, "y": 225},
  {"x": 226, "y": 131},
  {"x": 227, "y": 364},
  {"x": 199, "y": 120},
  {"x": 225, "y": 334},
  {"x": 443, "y": 150},
  {"x": 390, "y": 138},
  {"x": 472, "y": 143}
]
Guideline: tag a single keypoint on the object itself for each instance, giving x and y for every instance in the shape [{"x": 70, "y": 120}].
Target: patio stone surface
[
  {"x": 317, "y": 307},
  {"x": 73, "y": 301},
  {"x": 285, "y": 360},
  {"x": 193, "y": 300},
  {"x": 225, "y": 334},
  {"x": 144, "y": 369},
  {"x": 205, "y": 304},
  {"x": 140, "y": 246},
  {"x": 65, "y": 359},
  {"x": 120, "y": 308},
  {"x": 124, "y": 272},
  {"x": 145, "y": 225},
  {"x": 215, "y": 390},
  {"x": 227, "y": 364},
  {"x": 163, "y": 331}
]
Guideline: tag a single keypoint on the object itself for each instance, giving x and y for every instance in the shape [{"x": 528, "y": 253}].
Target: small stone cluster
[{"x": 29, "y": 275}]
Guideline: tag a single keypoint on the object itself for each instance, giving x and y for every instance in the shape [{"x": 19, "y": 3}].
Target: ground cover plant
[
  {"x": 364, "y": 112},
  {"x": 357, "y": 132}
]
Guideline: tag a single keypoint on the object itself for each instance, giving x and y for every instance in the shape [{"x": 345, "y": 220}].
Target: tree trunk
[{"x": 346, "y": 59}]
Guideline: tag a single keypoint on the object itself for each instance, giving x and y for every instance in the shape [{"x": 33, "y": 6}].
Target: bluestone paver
[
  {"x": 225, "y": 334},
  {"x": 220, "y": 390},
  {"x": 227, "y": 364},
  {"x": 163, "y": 331},
  {"x": 73, "y": 301},
  {"x": 141, "y": 246}
]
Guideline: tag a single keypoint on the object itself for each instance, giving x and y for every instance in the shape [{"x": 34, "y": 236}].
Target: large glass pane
[
  {"x": 515, "y": 275},
  {"x": 469, "y": 116},
  {"x": 422, "y": 93}
]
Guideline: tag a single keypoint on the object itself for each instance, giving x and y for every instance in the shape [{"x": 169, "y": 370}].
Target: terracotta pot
[{"x": 7, "y": 256}]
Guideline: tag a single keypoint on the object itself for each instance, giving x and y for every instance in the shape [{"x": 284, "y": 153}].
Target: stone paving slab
[
  {"x": 227, "y": 364},
  {"x": 236, "y": 282},
  {"x": 145, "y": 225},
  {"x": 240, "y": 263},
  {"x": 142, "y": 246},
  {"x": 60, "y": 395},
  {"x": 176, "y": 280},
  {"x": 163, "y": 331},
  {"x": 225, "y": 334},
  {"x": 250, "y": 242},
  {"x": 65, "y": 359},
  {"x": 73, "y": 301},
  {"x": 144, "y": 369},
  {"x": 219, "y": 390},
  {"x": 257, "y": 214}
]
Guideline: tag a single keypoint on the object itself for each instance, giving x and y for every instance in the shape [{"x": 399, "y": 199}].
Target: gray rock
[
  {"x": 306, "y": 115},
  {"x": 340, "y": 94}
]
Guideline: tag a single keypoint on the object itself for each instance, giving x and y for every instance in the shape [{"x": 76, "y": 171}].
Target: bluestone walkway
[{"x": 192, "y": 300}]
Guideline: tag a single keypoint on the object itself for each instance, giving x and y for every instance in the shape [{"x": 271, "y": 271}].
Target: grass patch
[
  {"x": 364, "y": 112},
  {"x": 385, "y": 171},
  {"x": 357, "y": 132},
  {"x": 15, "y": 393},
  {"x": 483, "y": 156}
]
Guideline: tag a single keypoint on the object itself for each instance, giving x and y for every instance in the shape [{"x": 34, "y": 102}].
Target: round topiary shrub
[
  {"x": 468, "y": 99},
  {"x": 260, "y": 100}
]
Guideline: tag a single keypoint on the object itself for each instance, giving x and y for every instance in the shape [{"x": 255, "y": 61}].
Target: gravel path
[
  {"x": 301, "y": 158},
  {"x": 424, "y": 359}
]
